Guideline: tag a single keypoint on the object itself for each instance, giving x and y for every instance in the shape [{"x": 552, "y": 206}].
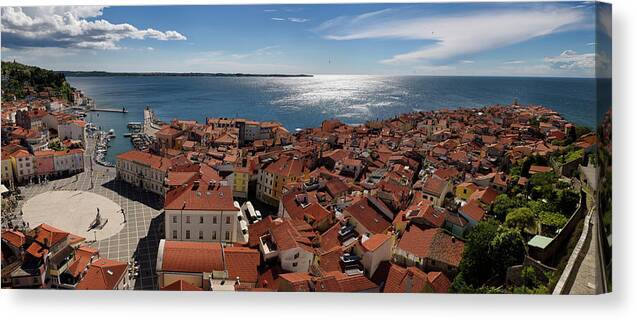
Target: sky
[{"x": 494, "y": 39}]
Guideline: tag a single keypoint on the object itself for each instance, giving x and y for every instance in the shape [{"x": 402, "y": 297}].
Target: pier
[{"x": 122, "y": 110}]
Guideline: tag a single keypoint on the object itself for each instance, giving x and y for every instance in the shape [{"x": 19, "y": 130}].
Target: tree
[
  {"x": 503, "y": 204},
  {"x": 567, "y": 201},
  {"x": 507, "y": 249},
  {"x": 522, "y": 219},
  {"x": 476, "y": 265},
  {"x": 552, "y": 221}
]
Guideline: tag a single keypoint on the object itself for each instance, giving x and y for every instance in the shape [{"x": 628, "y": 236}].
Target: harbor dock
[{"x": 122, "y": 110}]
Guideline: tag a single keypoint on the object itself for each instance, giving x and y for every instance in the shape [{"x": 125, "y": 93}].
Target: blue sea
[{"x": 305, "y": 102}]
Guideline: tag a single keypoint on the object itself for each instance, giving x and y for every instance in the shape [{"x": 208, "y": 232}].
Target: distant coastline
[{"x": 176, "y": 74}]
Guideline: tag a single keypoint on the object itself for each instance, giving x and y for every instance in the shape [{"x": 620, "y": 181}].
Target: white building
[
  {"x": 72, "y": 130},
  {"x": 69, "y": 161},
  {"x": 204, "y": 212},
  {"x": 144, "y": 170},
  {"x": 283, "y": 242}
]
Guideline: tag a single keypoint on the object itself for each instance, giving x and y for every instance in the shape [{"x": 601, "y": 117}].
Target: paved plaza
[
  {"x": 138, "y": 238},
  {"x": 75, "y": 212}
]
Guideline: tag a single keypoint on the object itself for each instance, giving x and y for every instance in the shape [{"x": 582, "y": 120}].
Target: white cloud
[
  {"x": 299, "y": 20},
  {"x": 587, "y": 64},
  {"x": 450, "y": 36},
  {"x": 70, "y": 27},
  {"x": 291, "y": 19},
  {"x": 467, "y": 61},
  {"x": 514, "y": 62}
]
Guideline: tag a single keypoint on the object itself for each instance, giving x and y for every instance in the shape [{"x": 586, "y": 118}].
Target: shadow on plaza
[
  {"x": 134, "y": 193},
  {"x": 146, "y": 254}
]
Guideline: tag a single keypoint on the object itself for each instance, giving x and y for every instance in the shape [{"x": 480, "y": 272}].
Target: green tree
[
  {"x": 507, "y": 249},
  {"x": 503, "y": 204},
  {"x": 476, "y": 265},
  {"x": 522, "y": 219}
]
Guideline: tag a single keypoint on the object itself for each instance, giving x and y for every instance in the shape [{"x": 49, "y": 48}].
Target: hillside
[{"x": 21, "y": 80}]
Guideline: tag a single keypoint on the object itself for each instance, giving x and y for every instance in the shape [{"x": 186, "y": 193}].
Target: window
[
  {"x": 200, "y": 219},
  {"x": 214, "y": 220},
  {"x": 174, "y": 219},
  {"x": 227, "y": 220},
  {"x": 187, "y": 234},
  {"x": 214, "y": 235},
  {"x": 295, "y": 264},
  {"x": 296, "y": 255},
  {"x": 227, "y": 235},
  {"x": 200, "y": 235},
  {"x": 187, "y": 219},
  {"x": 174, "y": 234}
]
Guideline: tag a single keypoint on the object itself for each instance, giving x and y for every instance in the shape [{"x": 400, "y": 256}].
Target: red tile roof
[
  {"x": 434, "y": 185},
  {"x": 439, "y": 282},
  {"x": 82, "y": 259},
  {"x": 286, "y": 166},
  {"x": 103, "y": 274},
  {"x": 329, "y": 238},
  {"x": 196, "y": 257},
  {"x": 485, "y": 195},
  {"x": 367, "y": 214},
  {"x": 473, "y": 210},
  {"x": 539, "y": 169},
  {"x": 213, "y": 197},
  {"x": 49, "y": 235},
  {"x": 37, "y": 250},
  {"x": 356, "y": 283},
  {"x": 181, "y": 285},
  {"x": 405, "y": 280},
  {"x": 299, "y": 281},
  {"x": 433, "y": 244},
  {"x": 147, "y": 159},
  {"x": 242, "y": 262},
  {"x": 424, "y": 210},
  {"x": 375, "y": 241},
  {"x": 331, "y": 260},
  {"x": 15, "y": 238},
  {"x": 258, "y": 229}
]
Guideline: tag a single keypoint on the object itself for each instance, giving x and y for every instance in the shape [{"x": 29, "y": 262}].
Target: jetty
[
  {"x": 150, "y": 126},
  {"x": 122, "y": 110}
]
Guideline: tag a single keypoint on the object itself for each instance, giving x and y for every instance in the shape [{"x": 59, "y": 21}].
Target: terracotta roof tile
[
  {"x": 205, "y": 197},
  {"x": 242, "y": 262},
  {"x": 181, "y": 285},
  {"x": 103, "y": 274},
  {"x": 196, "y": 257},
  {"x": 432, "y": 243},
  {"x": 15, "y": 238},
  {"x": 375, "y": 241},
  {"x": 367, "y": 214},
  {"x": 147, "y": 159},
  {"x": 405, "y": 280}
]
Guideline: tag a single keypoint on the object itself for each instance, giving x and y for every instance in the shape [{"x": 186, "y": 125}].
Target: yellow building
[
  {"x": 276, "y": 175},
  {"x": 465, "y": 189},
  {"x": 7, "y": 169},
  {"x": 240, "y": 185}
]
